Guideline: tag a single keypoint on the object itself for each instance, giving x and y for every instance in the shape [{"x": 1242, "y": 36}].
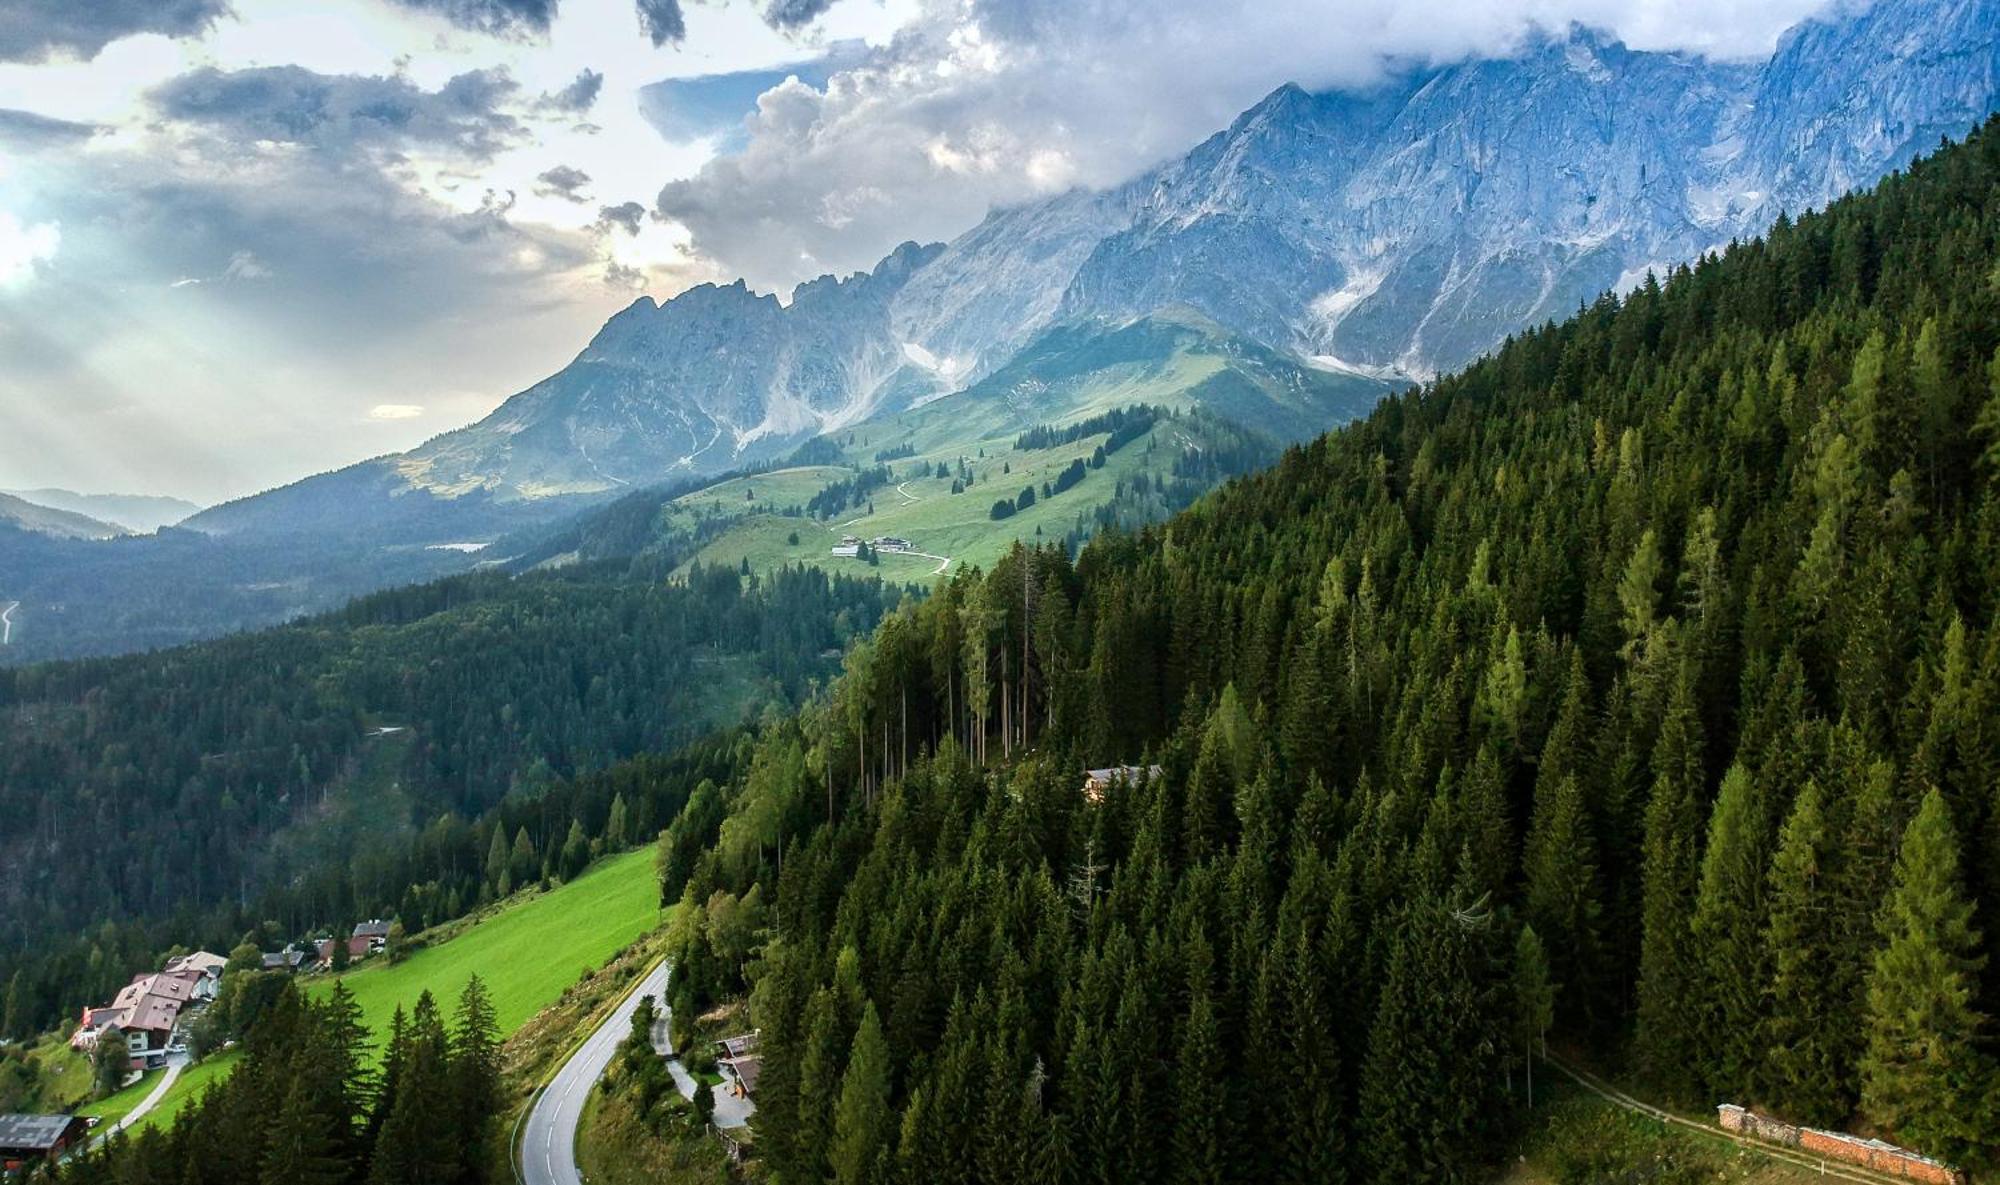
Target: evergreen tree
[
  {"x": 1562, "y": 892},
  {"x": 474, "y": 1059},
  {"x": 1728, "y": 928},
  {"x": 863, "y": 1124},
  {"x": 423, "y": 1140},
  {"x": 1424, "y": 1087},
  {"x": 1925, "y": 1075},
  {"x": 1670, "y": 963},
  {"x": 302, "y": 1148},
  {"x": 1807, "y": 1050},
  {"x": 1534, "y": 1003}
]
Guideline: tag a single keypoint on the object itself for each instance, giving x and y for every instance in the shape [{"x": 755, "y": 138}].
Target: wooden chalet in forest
[
  {"x": 1098, "y": 782},
  {"x": 28, "y": 1139}
]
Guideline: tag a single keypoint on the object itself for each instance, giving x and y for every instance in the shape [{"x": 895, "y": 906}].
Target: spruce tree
[
  {"x": 1925, "y": 1075},
  {"x": 863, "y": 1124},
  {"x": 1729, "y": 920},
  {"x": 475, "y": 1058},
  {"x": 1198, "y": 1093},
  {"x": 1670, "y": 964},
  {"x": 1425, "y": 1083},
  {"x": 302, "y": 1148},
  {"x": 1534, "y": 1002},
  {"x": 1808, "y": 1053},
  {"x": 1562, "y": 890}
]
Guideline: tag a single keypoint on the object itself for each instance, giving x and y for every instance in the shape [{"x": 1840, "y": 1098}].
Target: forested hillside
[
  {"x": 366, "y": 762},
  {"x": 1654, "y": 657}
]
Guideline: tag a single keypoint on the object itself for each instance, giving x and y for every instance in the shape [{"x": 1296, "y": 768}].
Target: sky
[{"x": 243, "y": 241}]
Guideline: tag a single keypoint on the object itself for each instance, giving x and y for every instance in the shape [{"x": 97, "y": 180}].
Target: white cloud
[
  {"x": 986, "y": 102},
  {"x": 395, "y": 411},
  {"x": 23, "y": 246}
]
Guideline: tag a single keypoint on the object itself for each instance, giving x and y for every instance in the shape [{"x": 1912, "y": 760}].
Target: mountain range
[
  {"x": 48, "y": 520},
  {"x": 138, "y": 513},
  {"x": 1391, "y": 233}
]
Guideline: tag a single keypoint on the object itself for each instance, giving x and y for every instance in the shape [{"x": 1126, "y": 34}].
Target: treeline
[
  {"x": 1641, "y": 680},
  {"x": 197, "y": 793},
  {"x": 837, "y": 496},
  {"x": 1124, "y": 425},
  {"x": 305, "y": 1107}
]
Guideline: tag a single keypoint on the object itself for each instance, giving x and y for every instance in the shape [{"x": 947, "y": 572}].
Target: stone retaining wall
[{"x": 1871, "y": 1154}]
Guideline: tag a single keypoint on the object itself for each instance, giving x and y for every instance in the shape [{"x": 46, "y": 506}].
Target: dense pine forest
[
  {"x": 367, "y": 763},
  {"x": 1636, "y": 689}
]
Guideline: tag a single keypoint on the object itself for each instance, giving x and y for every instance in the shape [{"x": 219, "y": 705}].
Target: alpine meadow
[{"x": 1448, "y": 632}]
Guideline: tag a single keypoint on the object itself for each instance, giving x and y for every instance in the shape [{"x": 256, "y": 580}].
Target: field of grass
[
  {"x": 919, "y": 506},
  {"x": 527, "y": 952},
  {"x": 1577, "y": 1138},
  {"x": 189, "y": 1086},
  {"x": 114, "y": 1107}
]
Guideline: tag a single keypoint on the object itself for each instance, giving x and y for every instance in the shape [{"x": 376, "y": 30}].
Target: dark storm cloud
[
  {"x": 32, "y": 30},
  {"x": 630, "y": 215},
  {"x": 662, "y": 21},
  {"x": 25, "y": 129},
  {"x": 794, "y": 14},
  {"x": 576, "y": 98},
  {"x": 341, "y": 114},
  {"x": 500, "y": 17},
  {"x": 563, "y": 182}
]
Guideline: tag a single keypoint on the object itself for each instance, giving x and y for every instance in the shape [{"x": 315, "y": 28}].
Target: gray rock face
[
  {"x": 1413, "y": 229},
  {"x": 714, "y": 377}
]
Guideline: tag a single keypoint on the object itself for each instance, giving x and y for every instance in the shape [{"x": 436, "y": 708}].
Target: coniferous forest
[{"x": 1636, "y": 688}]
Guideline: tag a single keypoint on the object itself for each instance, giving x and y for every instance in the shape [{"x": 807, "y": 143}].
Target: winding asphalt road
[{"x": 548, "y": 1143}]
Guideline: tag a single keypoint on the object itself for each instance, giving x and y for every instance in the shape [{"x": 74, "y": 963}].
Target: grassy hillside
[
  {"x": 1229, "y": 402},
  {"x": 527, "y": 952}
]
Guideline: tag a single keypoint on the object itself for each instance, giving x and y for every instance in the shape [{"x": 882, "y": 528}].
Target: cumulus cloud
[
  {"x": 563, "y": 182},
  {"x": 576, "y": 98},
  {"x": 23, "y": 247},
  {"x": 35, "y": 30},
  {"x": 499, "y": 17},
  {"x": 630, "y": 215},
  {"x": 979, "y": 103},
  {"x": 344, "y": 113},
  {"x": 395, "y": 411},
  {"x": 662, "y": 21}
]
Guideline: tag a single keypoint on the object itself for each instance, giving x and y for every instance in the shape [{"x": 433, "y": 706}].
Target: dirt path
[
  {"x": 7, "y": 623},
  {"x": 1838, "y": 1170}
]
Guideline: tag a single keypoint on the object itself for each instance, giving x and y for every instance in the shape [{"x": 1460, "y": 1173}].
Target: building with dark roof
[{"x": 25, "y": 1139}]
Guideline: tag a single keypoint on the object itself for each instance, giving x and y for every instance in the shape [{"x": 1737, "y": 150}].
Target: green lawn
[
  {"x": 527, "y": 953},
  {"x": 113, "y": 1107},
  {"x": 65, "y": 1073},
  {"x": 189, "y": 1086},
  {"x": 186, "y": 1089}
]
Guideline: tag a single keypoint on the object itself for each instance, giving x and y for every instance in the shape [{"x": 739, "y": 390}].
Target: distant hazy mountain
[
  {"x": 62, "y": 524},
  {"x": 135, "y": 512}
]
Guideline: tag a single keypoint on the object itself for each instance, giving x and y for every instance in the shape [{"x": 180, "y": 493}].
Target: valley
[{"x": 1448, "y": 631}]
